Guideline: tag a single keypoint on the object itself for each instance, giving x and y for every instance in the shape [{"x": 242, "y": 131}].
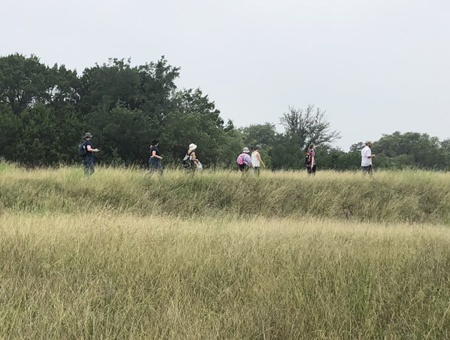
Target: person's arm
[
  {"x": 90, "y": 149},
  {"x": 260, "y": 159},
  {"x": 370, "y": 155},
  {"x": 194, "y": 157},
  {"x": 248, "y": 160},
  {"x": 312, "y": 161},
  {"x": 155, "y": 155}
]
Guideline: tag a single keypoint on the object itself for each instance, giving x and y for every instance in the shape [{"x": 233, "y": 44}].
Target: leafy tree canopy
[{"x": 45, "y": 110}]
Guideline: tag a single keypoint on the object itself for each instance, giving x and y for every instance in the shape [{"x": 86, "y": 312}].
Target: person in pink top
[
  {"x": 244, "y": 160},
  {"x": 311, "y": 160}
]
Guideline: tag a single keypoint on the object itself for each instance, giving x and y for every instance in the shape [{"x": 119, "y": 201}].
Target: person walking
[
  {"x": 366, "y": 159},
  {"x": 310, "y": 162},
  {"x": 88, "y": 157},
  {"x": 244, "y": 161},
  {"x": 155, "y": 158},
  {"x": 190, "y": 160},
  {"x": 257, "y": 160}
]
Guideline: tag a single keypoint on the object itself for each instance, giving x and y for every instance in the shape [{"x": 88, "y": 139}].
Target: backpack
[
  {"x": 82, "y": 150},
  {"x": 187, "y": 161},
  {"x": 308, "y": 159},
  {"x": 240, "y": 159}
]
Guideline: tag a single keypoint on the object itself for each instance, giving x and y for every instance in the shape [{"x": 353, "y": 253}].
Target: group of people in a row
[
  {"x": 190, "y": 160},
  {"x": 246, "y": 161}
]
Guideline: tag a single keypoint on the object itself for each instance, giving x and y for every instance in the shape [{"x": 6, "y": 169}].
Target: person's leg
[
  {"x": 91, "y": 167},
  {"x": 154, "y": 166},
  {"x": 150, "y": 165},
  {"x": 257, "y": 170},
  {"x": 369, "y": 170},
  {"x": 366, "y": 170},
  {"x": 192, "y": 167},
  {"x": 313, "y": 170},
  {"x": 308, "y": 170},
  {"x": 86, "y": 166},
  {"x": 160, "y": 168}
]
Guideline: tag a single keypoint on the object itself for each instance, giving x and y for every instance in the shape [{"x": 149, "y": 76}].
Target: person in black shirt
[
  {"x": 88, "y": 158},
  {"x": 155, "y": 158}
]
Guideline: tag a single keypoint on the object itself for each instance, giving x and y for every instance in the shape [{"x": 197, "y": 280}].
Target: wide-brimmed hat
[
  {"x": 192, "y": 146},
  {"x": 246, "y": 150},
  {"x": 258, "y": 147},
  {"x": 87, "y": 135}
]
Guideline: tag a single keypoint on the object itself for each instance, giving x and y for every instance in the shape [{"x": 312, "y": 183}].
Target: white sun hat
[
  {"x": 246, "y": 150},
  {"x": 192, "y": 146}
]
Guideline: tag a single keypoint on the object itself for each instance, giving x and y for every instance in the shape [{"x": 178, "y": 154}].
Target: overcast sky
[{"x": 375, "y": 66}]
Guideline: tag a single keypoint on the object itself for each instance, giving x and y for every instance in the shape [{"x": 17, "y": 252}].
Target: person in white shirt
[
  {"x": 366, "y": 158},
  {"x": 256, "y": 160}
]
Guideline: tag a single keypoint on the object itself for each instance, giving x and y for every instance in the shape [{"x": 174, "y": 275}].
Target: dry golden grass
[
  {"x": 126, "y": 255},
  {"x": 103, "y": 276},
  {"x": 409, "y": 196}
]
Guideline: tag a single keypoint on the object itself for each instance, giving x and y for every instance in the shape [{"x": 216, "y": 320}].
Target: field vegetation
[
  {"x": 391, "y": 196},
  {"x": 127, "y": 255}
]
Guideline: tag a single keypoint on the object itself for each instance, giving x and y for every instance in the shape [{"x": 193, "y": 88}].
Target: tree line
[{"x": 45, "y": 110}]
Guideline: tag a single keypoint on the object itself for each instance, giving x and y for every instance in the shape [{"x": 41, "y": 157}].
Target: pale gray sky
[{"x": 376, "y": 66}]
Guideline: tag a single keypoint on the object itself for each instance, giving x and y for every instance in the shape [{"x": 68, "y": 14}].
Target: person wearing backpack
[
  {"x": 244, "y": 161},
  {"x": 310, "y": 160},
  {"x": 155, "y": 158},
  {"x": 190, "y": 160},
  {"x": 86, "y": 152}
]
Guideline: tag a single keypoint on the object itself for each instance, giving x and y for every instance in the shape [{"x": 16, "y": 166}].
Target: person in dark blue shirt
[
  {"x": 155, "y": 158},
  {"x": 88, "y": 158}
]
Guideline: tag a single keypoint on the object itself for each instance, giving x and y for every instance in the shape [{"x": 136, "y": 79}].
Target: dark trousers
[
  {"x": 243, "y": 167},
  {"x": 311, "y": 170},
  {"x": 155, "y": 165},
  {"x": 257, "y": 170},
  {"x": 88, "y": 166},
  {"x": 367, "y": 170},
  {"x": 190, "y": 166}
]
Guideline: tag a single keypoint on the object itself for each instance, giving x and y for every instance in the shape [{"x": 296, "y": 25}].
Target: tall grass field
[{"x": 218, "y": 255}]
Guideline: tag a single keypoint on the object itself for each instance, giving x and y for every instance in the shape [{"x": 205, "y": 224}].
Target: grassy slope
[
  {"x": 389, "y": 197},
  {"x": 97, "y": 277},
  {"x": 123, "y": 255}
]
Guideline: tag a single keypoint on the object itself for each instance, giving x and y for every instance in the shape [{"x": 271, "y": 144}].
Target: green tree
[
  {"x": 309, "y": 126},
  {"x": 10, "y": 126},
  {"x": 337, "y": 159},
  {"x": 47, "y": 137},
  {"x": 147, "y": 87},
  {"x": 122, "y": 134},
  {"x": 194, "y": 119},
  {"x": 302, "y": 127},
  {"x": 25, "y": 81},
  {"x": 409, "y": 150}
]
